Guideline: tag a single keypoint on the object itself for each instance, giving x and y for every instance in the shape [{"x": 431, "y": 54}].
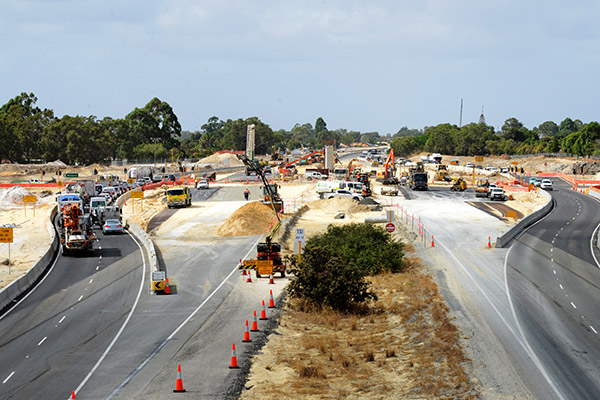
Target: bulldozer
[{"x": 459, "y": 185}]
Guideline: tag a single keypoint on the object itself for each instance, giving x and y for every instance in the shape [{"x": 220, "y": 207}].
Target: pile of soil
[
  {"x": 339, "y": 204},
  {"x": 251, "y": 219},
  {"x": 226, "y": 159},
  {"x": 12, "y": 196}
]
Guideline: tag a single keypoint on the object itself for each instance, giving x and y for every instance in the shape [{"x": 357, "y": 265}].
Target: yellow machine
[
  {"x": 179, "y": 196},
  {"x": 442, "y": 173},
  {"x": 459, "y": 185}
]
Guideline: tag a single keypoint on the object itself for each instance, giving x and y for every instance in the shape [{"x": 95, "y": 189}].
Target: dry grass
[{"x": 403, "y": 346}]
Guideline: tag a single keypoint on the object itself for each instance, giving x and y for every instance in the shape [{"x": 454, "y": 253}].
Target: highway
[
  {"x": 553, "y": 279},
  {"x": 52, "y": 339}
]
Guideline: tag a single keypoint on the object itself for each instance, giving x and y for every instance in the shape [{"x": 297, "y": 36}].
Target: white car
[
  {"x": 344, "y": 193},
  {"x": 202, "y": 184},
  {"x": 314, "y": 175},
  {"x": 497, "y": 193},
  {"x": 546, "y": 184}
]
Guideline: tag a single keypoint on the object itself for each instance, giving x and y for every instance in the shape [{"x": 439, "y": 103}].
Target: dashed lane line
[
  {"x": 8, "y": 377},
  {"x": 43, "y": 340}
]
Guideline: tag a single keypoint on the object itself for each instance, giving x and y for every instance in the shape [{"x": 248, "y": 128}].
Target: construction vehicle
[
  {"x": 389, "y": 190},
  {"x": 418, "y": 181},
  {"x": 459, "y": 185},
  {"x": 482, "y": 188},
  {"x": 179, "y": 196},
  {"x": 442, "y": 173},
  {"x": 76, "y": 234},
  {"x": 363, "y": 178},
  {"x": 389, "y": 170},
  {"x": 267, "y": 250},
  {"x": 287, "y": 168}
]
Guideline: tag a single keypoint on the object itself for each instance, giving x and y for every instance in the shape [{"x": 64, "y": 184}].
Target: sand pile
[
  {"x": 226, "y": 159},
  {"x": 339, "y": 204},
  {"x": 12, "y": 196},
  {"x": 251, "y": 219}
]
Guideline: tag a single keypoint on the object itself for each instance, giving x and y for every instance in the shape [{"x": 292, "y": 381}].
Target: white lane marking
[
  {"x": 62, "y": 319},
  {"x": 135, "y": 303},
  {"x": 98, "y": 267},
  {"x": 592, "y": 245},
  {"x": 164, "y": 343},
  {"x": 91, "y": 280},
  {"x": 551, "y": 249},
  {"x": 80, "y": 297},
  {"x": 561, "y": 287},
  {"x": 593, "y": 329},
  {"x": 554, "y": 271},
  {"x": 8, "y": 377},
  {"x": 574, "y": 306},
  {"x": 43, "y": 340},
  {"x": 100, "y": 257},
  {"x": 99, "y": 247}
]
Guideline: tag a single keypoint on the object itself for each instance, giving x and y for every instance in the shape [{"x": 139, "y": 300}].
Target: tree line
[
  {"x": 29, "y": 133},
  {"x": 572, "y": 137}
]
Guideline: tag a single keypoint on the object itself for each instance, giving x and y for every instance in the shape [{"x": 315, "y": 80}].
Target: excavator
[
  {"x": 267, "y": 250},
  {"x": 389, "y": 169},
  {"x": 285, "y": 170}
]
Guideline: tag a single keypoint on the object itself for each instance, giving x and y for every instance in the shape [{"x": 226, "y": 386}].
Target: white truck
[{"x": 324, "y": 187}]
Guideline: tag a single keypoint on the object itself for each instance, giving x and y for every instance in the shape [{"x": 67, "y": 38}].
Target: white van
[
  {"x": 97, "y": 202},
  {"x": 110, "y": 190}
]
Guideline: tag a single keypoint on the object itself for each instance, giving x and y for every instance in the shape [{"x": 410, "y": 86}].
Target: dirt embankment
[{"x": 253, "y": 218}]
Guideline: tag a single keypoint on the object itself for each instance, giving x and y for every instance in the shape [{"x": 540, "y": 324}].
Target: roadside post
[
  {"x": 137, "y": 195},
  {"x": 29, "y": 199},
  {"x": 6, "y": 236},
  {"x": 299, "y": 243},
  {"x": 389, "y": 217}
]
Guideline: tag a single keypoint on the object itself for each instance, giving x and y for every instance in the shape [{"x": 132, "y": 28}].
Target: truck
[
  {"x": 76, "y": 234},
  {"x": 418, "y": 181},
  {"x": 179, "y": 196},
  {"x": 389, "y": 190},
  {"x": 324, "y": 187},
  {"x": 482, "y": 188}
]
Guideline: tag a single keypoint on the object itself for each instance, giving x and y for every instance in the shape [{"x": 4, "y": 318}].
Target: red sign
[{"x": 390, "y": 227}]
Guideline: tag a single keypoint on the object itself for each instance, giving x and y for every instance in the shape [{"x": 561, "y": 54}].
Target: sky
[{"x": 360, "y": 65}]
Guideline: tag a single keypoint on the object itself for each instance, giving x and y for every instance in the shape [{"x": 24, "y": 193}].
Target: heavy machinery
[
  {"x": 482, "y": 188},
  {"x": 389, "y": 170},
  {"x": 442, "y": 173},
  {"x": 285, "y": 168},
  {"x": 267, "y": 250},
  {"x": 75, "y": 233},
  {"x": 459, "y": 185}
]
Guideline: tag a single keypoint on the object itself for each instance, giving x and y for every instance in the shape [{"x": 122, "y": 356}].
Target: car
[
  {"x": 546, "y": 184},
  {"x": 469, "y": 165},
  {"x": 112, "y": 226},
  {"x": 497, "y": 193},
  {"x": 111, "y": 191},
  {"x": 147, "y": 179},
  {"x": 314, "y": 175},
  {"x": 170, "y": 178},
  {"x": 157, "y": 178},
  {"x": 535, "y": 181},
  {"x": 35, "y": 181},
  {"x": 344, "y": 193},
  {"x": 202, "y": 184},
  {"x": 504, "y": 170},
  {"x": 267, "y": 170}
]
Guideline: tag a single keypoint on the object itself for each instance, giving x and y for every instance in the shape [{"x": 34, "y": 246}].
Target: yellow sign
[
  {"x": 511, "y": 214},
  {"x": 59, "y": 183},
  {"x": 130, "y": 181},
  {"x": 264, "y": 267},
  {"x": 137, "y": 195},
  {"x": 6, "y": 235},
  {"x": 514, "y": 162},
  {"x": 158, "y": 285},
  {"x": 29, "y": 199},
  {"x": 479, "y": 158},
  {"x": 249, "y": 263}
]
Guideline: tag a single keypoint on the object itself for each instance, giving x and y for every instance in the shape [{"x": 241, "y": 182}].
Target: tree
[
  {"x": 370, "y": 137},
  {"x": 404, "y": 146},
  {"x": 513, "y": 129},
  {"x": 155, "y": 121},
  {"x": 547, "y": 129},
  {"x": 567, "y": 126},
  {"x": 441, "y": 138}
]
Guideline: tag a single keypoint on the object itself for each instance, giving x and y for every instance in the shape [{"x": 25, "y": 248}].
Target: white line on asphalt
[
  {"x": 554, "y": 271},
  {"x": 12, "y": 373},
  {"x": 62, "y": 319},
  {"x": 100, "y": 257},
  {"x": 593, "y": 329},
  {"x": 98, "y": 267},
  {"x": 99, "y": 247},
  {"x": 164, "y": 343},
  {"x": 43, "y": 340},
  {"x": 551, "y": 249},
  {"x": 592, "y": 245},
  {"x": 91, "y": 280},
  {"x": 110, "y": 346},
  {"x": 80, "y": 297},
  {"x": 574, "y": 306},
  {"x": 561, "y": 287}
]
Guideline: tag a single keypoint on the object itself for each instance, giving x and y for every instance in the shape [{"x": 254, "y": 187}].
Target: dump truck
[{"x": 418, "y": 181}]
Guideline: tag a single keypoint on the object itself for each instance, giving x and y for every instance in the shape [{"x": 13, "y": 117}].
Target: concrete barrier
[
  {"x": 19, "y": 286},
  {"x": 526, "y": 222}
]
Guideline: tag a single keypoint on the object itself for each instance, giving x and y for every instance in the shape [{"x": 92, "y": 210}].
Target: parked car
[
  {"x": 344, "y": 193},
  {"x": 157, "y": 178},
  {"x": 314, "y": 175},
  {"x": 497, "y": 193},
  {"x": 202, "y": 184},
  {"x": 35, "y": 181},
  {"x": 546, "y": 184},
  {"x": 469, "y": 165},
  {"x": 504, "y": 170},
  {"x": 112, "y": 226}
]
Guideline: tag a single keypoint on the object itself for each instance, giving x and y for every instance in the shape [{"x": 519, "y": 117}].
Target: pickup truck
[
  {"x": 344, "y": 193},
  {"x": 389, "y": 190},
  {"x": 497, "y": 193}
]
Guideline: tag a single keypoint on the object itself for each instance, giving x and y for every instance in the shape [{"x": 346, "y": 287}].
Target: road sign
[
  {"x": 300, "y": 240},
  {"x": 389, "y": 215},
  {"x": 130, "y": 181},
  {"x": 59, "y": 183},
  {"x": 29, "y": 199},
  {"x": 6, "y": 235},
  {"x": 137, "y": 195},
  {"x": 514, "y": 162},
  {"x": 390, "y": 227},
  {"x": 71, "y": 175},
  {"x": 264, "y": 267},
  {"x": 159, "y": 280},
  {"x": 479, "y": 158}
]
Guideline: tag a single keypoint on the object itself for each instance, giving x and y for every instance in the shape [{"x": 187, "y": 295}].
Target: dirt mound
[
  {"x": 251, "y": 219},
  {"x": 12, "y": 196},
  {"x": 226, "y": 159},
  {"x": 339, "y": 204}
]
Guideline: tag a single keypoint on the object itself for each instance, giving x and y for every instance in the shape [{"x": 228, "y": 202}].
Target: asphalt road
[
  {"x": 554, "y": 282},
  {"x": 52, "y": 339}
]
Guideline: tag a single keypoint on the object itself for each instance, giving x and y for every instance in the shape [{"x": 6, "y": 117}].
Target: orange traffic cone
[
  {"x": 179, "y": 382},
  {"x": 489, "y": 242},
  {"x": 167, "y": 287},
  {"x": 263, "y": 312},
  {"x": 432, "y": 242},
  {"x": 234, "y": 363},
  {"x": 271, "y": 301},
  {"x": 73, "y": 394},
  {"x": 271, "y": 281},
  {"x": 246, "y": 334},
  {"x": 254, "y": 324},
  {"x": 243, "y": 272},
  {"x": 249, "y": 279}
]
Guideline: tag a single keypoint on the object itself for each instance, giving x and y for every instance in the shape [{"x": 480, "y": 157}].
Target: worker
[{"x": 246, "y": 193}]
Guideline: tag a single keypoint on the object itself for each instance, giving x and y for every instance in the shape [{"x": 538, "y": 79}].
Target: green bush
[{"x": 325, "y": 279}]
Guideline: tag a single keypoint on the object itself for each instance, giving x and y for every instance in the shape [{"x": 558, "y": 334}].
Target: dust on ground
[
  {"x": 31, "y": 234},
  {"x": 141, "y": 211},
  {"x": 253, "y": 218}
]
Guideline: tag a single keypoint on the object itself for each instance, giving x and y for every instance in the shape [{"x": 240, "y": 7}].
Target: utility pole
[{"x": 461, "y": 108}]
